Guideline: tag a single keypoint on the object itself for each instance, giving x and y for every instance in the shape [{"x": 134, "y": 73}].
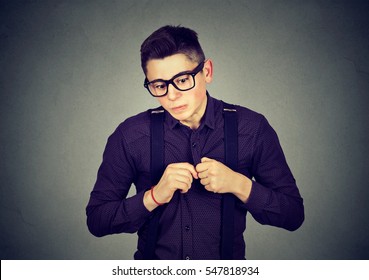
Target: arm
[
  {"x": 273, "y": 198},
  {"x": 108, "y": 210}
]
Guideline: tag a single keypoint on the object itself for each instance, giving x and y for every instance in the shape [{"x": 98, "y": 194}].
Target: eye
[
  {"x": 159, "y": 85},
  {"x": 182, "y": 79}
]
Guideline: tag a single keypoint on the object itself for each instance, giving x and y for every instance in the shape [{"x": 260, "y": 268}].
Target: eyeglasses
[{"x": 182, "y": 81}]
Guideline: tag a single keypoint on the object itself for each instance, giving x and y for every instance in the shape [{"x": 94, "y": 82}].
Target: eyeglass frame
[{"x": 192, "y": 73}]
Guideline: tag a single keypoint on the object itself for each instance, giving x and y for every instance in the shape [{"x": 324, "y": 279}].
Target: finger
[
  {"x": 201, "y": 167},
  {"x": 193, "y": 171},
  {"x": 187, "y": 180},
  {"x": 187, "y": 166},
  {"x": 208, "y": 188},
  {"x": 182, "y": 187},
  {"x": 205, "y": 182},
  {"x": 203, "y": 174},
  {"x": 206, "y": 159},
  {"x": 185, "y": 173}
]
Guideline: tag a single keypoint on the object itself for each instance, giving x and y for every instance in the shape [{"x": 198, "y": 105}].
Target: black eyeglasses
[{"x": 182, "y": 81}]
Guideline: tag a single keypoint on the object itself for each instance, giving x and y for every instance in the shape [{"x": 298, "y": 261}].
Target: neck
[
  {"x": 195, "y": 121},
  {"x": 192, "y": 125}
]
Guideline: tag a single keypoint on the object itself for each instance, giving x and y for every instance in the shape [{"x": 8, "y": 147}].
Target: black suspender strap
[
  {"x": 157, "y": 169},
  {"x": 231, "y": 160},
  {"x": 157, "y": 145}
]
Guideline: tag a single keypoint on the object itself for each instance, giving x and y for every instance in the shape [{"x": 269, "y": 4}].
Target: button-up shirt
[{"x": 190, "y": 225}]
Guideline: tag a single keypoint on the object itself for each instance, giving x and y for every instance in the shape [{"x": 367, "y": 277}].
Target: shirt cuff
[
  {"x": 258, "y": 199},
  {"x": 136, "y": 210}
]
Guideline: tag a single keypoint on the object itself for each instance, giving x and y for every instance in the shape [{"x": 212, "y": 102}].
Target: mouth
[{"x": 179, "y": 109}]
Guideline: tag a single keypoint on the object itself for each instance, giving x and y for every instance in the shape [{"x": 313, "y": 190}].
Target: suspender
[
  {"x": 157, "y": 169},
  {"x": 231, "y": 160}
]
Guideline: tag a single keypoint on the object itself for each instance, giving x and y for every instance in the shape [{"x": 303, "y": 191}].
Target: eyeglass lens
[{"x": 183, "y": 82}]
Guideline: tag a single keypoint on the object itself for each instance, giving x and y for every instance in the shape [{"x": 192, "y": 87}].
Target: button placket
[
  {"x": 186, "y": 232},
  {"x": 195, "y": 147}
]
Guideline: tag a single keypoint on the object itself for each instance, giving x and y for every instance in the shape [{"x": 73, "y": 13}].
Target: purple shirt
[{"x": 190, "y": 225}]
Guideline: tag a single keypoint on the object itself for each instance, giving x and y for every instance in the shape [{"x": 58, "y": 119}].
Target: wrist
[
  {"x": 243, "y": 187},
  {"x": 153, "y": 197},
  {"x": 148, "y": 201}
]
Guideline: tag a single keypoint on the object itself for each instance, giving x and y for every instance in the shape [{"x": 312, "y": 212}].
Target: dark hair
[{"x": 169, "y": 40}]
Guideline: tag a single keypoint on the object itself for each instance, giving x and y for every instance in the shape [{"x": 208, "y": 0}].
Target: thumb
[
  {"x": 205, "y": 159},
  {"x": 194, "y": 172}
]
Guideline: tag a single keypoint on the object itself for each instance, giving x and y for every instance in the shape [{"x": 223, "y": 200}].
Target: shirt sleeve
[
  {"x": 274, "y": 199},
  {"x": 109, "y": 210}
]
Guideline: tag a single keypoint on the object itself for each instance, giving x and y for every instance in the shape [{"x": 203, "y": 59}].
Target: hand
[
  {"x": 177, "y": 176},
  {"x": 218, "y": 178}
]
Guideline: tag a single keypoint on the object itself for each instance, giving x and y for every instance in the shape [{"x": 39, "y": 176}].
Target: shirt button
[
  {"x": 194, "y": 144},
  {"x": 188, "y": 258},
  {"x": 187, "y": 228}
]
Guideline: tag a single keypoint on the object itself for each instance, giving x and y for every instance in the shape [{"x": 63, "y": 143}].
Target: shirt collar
[{"x": 208, "y": 119}]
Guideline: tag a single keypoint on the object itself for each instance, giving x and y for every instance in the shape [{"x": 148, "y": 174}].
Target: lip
[{"x": 179, "y": 109}]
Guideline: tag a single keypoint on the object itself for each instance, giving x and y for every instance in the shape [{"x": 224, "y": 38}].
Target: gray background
[{"x": 70, "y": 73}]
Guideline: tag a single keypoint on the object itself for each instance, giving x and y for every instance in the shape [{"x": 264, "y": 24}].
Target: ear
[{"x": 208, "y": 70}]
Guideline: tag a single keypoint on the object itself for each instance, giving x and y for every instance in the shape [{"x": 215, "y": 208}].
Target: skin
[{"x": 189, "y": 108}]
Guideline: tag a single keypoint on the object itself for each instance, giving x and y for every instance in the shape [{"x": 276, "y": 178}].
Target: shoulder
[
  {"x": 246, "y": 114},
  {"x": 248, "y": 120},
  {"x": 136, "y": 121},
  {"x": 135, "y": 127}
]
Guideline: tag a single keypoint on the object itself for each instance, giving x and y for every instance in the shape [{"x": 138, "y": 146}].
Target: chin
[{"x": 181, "y": 116}]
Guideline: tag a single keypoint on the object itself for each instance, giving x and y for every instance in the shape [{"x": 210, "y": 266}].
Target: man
[{"x": 191, "y": 188}]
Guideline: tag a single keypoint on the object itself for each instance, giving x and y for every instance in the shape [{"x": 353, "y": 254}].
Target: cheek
[
  {"x": 199, "y": 97},
  {"x": 162, "y": 101}
]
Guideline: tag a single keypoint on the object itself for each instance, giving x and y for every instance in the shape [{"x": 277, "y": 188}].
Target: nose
[{"x": 173, "y": 93}]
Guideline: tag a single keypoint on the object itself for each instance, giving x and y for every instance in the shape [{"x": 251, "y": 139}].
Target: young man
[{"x": 195, "y": 178}]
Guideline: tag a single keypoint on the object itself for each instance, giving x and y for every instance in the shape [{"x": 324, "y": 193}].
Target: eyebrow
[{"x": 176, "y": 75}]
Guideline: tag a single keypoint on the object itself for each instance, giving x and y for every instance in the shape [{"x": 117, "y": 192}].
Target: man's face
[{"x": 186, "y": 106}]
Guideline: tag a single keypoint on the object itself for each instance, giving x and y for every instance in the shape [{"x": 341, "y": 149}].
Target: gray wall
[{"x": 70, "y": 73}]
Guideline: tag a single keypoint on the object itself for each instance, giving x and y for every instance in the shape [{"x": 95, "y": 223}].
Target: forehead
[{"x": 169, "y": 66}]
